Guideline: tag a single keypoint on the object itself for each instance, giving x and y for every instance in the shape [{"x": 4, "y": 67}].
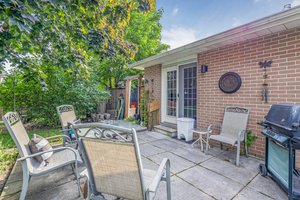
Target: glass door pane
[
  {"x": 171, "y": 92},
  {"x": 190, "y": 92}
]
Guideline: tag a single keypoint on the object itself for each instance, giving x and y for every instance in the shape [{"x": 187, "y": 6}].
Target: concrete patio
[{"x": 194, "y": 175}]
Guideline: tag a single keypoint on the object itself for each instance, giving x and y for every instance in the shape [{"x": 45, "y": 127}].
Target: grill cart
[{"x": 282, "y": 132}]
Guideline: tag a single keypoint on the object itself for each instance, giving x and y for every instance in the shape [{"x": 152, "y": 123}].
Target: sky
[{"x": 185, "y": 21}]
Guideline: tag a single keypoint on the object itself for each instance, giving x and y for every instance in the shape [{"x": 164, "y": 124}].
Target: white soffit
[{"x": 272, "y": 24}]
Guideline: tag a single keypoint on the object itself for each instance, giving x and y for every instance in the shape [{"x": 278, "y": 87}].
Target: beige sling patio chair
[
  {"x": 67, "y": 116},
  {"x": 62, "y": 156},
  {"x": 233, "y": 129},
  {"x": 114, "y": 164}
]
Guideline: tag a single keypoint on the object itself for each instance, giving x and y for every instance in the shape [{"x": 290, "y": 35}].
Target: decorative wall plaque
[{"x": 230, "y": 82}]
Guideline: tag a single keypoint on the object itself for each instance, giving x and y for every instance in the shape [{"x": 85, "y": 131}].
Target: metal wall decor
[
  {"x": 265, "y": 89},
  {"x": 230, "y": 82}
]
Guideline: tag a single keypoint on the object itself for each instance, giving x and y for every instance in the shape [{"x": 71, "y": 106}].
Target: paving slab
[
  {"x": 267, "y": 186},
  {"x": 181, "y": 190},
  {"x": 16, "y": 174},
  {"x": 177, "y": 163},
  {"x": 245, "y": 162},
  {"x": 215, "y": 185},
  {"x": 143, "y": 138},
  {"x": 214, "y": 151},
  {"x": 250, "y": 194},
  {"x": 39, "y": 185},
  {"x": 229, "y": 170},
  {"x": 148, "y": 164},
  {"x": 166, "y": 144},
  {"x": 149, "y": 150},
  {"x": 192, "y": 154},
  {"x": 155, "y": 135}
]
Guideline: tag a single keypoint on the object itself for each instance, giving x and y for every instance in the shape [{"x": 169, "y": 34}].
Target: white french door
[
  {"x": 169, "y": 94},
  {"x": 187, "y": 105}
]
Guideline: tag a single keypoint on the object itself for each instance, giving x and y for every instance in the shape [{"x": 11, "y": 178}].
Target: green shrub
[{"x": 250, "y": 138}]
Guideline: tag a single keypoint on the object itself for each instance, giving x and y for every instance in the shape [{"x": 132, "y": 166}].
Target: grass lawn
[{"x": 9, "y": 153}]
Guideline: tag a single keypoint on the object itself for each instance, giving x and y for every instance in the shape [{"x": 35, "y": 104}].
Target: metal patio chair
[
  {"x": 233, "y": 129},
  {"x": 62, "y": 156},
  {"x": 67, "y": 116},
  {"x": 114, "y": 164}
]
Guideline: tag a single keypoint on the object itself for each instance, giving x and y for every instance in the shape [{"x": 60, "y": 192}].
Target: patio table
[{"x": 201, "y": 140}]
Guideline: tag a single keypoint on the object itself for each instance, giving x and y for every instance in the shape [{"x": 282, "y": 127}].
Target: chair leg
[
  {"x": 75, "y": 171},
  {"x": 238, "y": 153},
  {"x": 246, "y": 149},
  {"x": 195, "y": 142},
  {"x": 168, "y": 181},
  {"x": 26, "y": 179},
  {"x": 201, "y": 142},
  {"x": 207, "y": 145}
]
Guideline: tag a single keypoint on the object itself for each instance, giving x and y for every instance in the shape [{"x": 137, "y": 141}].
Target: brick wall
[
  {"x": 284, "y": 79},
  {"x": 153, "y": 73}
]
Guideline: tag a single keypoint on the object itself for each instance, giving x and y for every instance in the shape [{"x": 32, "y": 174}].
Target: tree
[
  {"x": 144, "y": 31},
  {"x": 52, "y": 45}
]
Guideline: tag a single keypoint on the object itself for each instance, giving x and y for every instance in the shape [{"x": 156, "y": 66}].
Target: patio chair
[
  {"x": 67, "y": 116},
  {"x": 62, "y": 156},
  {"x": 114, "y": 164},
  {"x": 233, "y": 129}
]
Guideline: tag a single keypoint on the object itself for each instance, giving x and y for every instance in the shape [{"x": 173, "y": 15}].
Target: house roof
[{"x": 281, "y": 21}]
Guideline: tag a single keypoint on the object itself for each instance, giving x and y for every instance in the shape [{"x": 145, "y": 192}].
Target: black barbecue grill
[{"x": 282, "y": 131}]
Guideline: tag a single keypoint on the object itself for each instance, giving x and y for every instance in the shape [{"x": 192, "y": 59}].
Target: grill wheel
[{"x": 262, "y": 170}]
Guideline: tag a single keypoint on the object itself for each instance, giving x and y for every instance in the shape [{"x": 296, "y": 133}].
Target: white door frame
[{"x": 164, "y": 116}]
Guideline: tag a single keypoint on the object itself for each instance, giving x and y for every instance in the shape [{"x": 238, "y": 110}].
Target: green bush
[
  {"x": 7, "y": 158},
  {"x": 250, "y": 138}
]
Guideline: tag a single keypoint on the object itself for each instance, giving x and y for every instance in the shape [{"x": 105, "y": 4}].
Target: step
[{"x": 171, "y": 132}]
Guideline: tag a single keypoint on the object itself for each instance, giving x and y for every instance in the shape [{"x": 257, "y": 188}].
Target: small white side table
[{"x": 201, "y": 140}]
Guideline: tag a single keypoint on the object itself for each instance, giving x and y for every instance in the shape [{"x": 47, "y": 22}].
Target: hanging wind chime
[{"x": 265, "y": 90}]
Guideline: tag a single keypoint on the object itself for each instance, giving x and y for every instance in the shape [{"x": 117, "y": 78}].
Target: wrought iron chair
[
  {"x": 62, "y": 156},
  {"x": 114, "y": 164},
  {"x": 233, "y": 129}
]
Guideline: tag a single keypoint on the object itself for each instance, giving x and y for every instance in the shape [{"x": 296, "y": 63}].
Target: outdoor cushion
[{"x": 40, "y": 144}]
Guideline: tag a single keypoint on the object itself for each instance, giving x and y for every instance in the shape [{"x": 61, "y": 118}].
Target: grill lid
[{"x": 285, "y": 116}]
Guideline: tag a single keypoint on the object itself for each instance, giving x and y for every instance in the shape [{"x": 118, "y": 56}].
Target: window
[{"x": 171, "y": 92}]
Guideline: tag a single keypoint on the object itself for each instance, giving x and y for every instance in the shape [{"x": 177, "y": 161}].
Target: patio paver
[
  {"x": 248, "y": 193},
  {"x": 181, "y": 190},
  {"x": 195, "y": 175},
  {"x": 177, "y": 163},
  {"x": 149, "y": 150},
  {"x": 227, "y": 169},
  {"x": 192, "y": 154},
  {"x": 218, "y": 186},
  {"x": 268, "y": 187}
]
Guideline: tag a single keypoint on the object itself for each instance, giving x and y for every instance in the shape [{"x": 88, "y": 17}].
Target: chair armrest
[
  {"x": 242, "y": 134},
  {"x": 159, "y": 175},
  {"x": 51, "y": 150}
]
